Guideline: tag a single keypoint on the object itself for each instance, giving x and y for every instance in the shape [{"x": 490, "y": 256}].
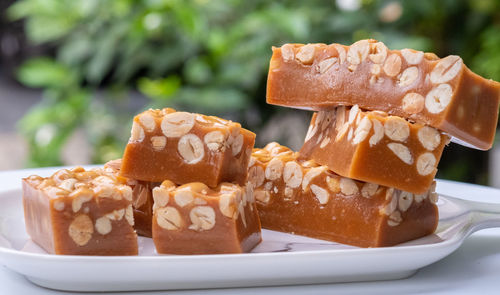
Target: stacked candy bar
[
  {"x": 202, "y": 163},
  {"x": 182, "y": 181},
  {"x": 383, "y": 118},
  {"x": 303, "y": 197}
]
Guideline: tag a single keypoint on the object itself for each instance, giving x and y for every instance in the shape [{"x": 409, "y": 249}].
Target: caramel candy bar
[
  {"x": 185, "y": 147},
  {"x": 375, "y": 147},
  {"x": 142, "y": 198},
  {"x": 194, "y": 219},
  {"x": 78, "y": 212},
  {"x": 442, "y": 93},
  {"x": 301, "y": 197}
]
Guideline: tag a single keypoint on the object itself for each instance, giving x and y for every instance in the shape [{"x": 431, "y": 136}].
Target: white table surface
[{"x": 474, "y": 268}]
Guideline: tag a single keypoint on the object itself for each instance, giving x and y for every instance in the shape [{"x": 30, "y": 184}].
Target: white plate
[{"x": 280, "y": 259}]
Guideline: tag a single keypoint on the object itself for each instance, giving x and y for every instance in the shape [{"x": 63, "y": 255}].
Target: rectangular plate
[{"x": 280, "y": 259}]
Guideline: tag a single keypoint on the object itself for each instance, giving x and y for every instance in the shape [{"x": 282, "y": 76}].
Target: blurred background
[{"x": 74, "y": 72}]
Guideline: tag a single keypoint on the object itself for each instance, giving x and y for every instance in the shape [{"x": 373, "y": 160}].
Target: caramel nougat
[
  {"x": 442, "y": 93},
  {"x": 185, "y": 147},
  {"x": 375, "y": 147},
  {"x": 195, "y": 219},
  {"x": 302, "y": 197},
  {"x": 78, "y": 212}
]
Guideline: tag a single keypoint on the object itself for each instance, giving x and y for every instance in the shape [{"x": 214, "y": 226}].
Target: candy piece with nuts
[
  {"x": 375, "y": 147},
  {"x": 442, "y": 93},
  {"x": 78, "y": 212},
  {"x": 311, "y": 200},
  {"x": 195, "y": 219},
  {"x": 185, "y": 147}
]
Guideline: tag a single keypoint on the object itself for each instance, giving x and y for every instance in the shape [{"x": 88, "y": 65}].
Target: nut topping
[
  {"x": 137, "y": 133},
  {"x": 183, "y": 198},
  {"x": 426, "y": 164},
  {"x": 320, "y": 193},
  {"x": 412, "y": 57},
  {"x": 148, "y": 122},
  {"x": 413, "y": 103},
  {"x": 405, "y": 200},
  {"x": 103, "y": 225},
  {"x": 160, "y": 196},
  {"x": 274, "y": 169},
  {"x": 177, "y": 124},
  {"x": 292, "y": 174},
  {"x": 191, "y": 149},
  {"x": 369, "y": 189},
  {"x": 306, "y": 54},
  {"x": 429, "y": 137},
  {"x": 362, "y": 131},
  {"x": 394, "y": 219},
  {"x": 408, "y": 76},
  {"x": 227, "y": 205},
  {"x": 287, "y": 52},
  {"x": 158, "y": 142},
  {"x": 396, "y": 128},
  {"x": 214, "y": 141},
  {"x": 438, "y": 98},
  {"x": 326, "y": 64},
  {"x": 81, "y": 229},
  {"x": 401, "y": 151},
  {"x": 446, "y": 69},
  {"x": 341, "y": 52},
  {"x": 378, "y": 132},
  {"x": 333, "y": 184},
  {"x": 310, "y": 175},
  {"x": 358, "y": 52},
  {"x": 378, "y": 52},
  {"x": 262, "y": 196},
  {"x": 348, "y": 187},
  {"x": 256, "y": 176},
  {"x": 202, "y": 218},
  {"x": 237, "y": 144},
  {"x": 392, "y": 65},
  {"x": 353, "y": 113},
  {"x": 168, "y": 218}
]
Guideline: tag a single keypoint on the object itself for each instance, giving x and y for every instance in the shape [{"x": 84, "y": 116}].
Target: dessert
[
  {"x": 78, "y": 212},
  {"x": 442, "y": 93},
  {"x": 185, "y": 147},
  {"x": 302, "y": 197},
  {"x": 195, "y": 219},
  {"x": 375, "y": 147}
]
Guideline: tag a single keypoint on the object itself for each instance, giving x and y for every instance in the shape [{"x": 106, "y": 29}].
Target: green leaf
[
  {"x": 159, "y": 89},
  {"x": 44, "y": 72},
  {"x": 211, "y": 99},
  {"x": 42, "y": 29}
]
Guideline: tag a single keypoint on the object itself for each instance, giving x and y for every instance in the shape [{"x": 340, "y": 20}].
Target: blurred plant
[{"x": 208, "y": 56}]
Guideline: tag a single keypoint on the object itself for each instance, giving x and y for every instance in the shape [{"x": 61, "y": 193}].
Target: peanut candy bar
[
  {"x": 375, "y": 147},
  {"x": 442, "y": 93},
  {"x": 78, "y": 212},
  {"x": 185, "y": 147},
  {"x": 195, "y": 219},
  {"x": 302, "y": 197}
]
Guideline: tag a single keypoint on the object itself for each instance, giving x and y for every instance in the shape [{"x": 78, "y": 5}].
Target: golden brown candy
[
  {"x": 195, "y": 219},
  {"x": 78, "y": 212},
  {"x": 375, "y": 147},
  {"x": 302, "y": 197},
  {"x": 186, "y": 147},
  {"x": 442, "y": 93}
]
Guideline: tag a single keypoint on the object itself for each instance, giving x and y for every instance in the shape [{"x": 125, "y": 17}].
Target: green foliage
[{"x": 209, "y": 56}]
